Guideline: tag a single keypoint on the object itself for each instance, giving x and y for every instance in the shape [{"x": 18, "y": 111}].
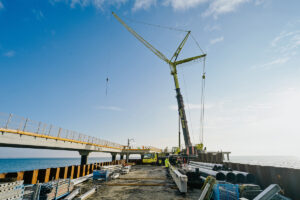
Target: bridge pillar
[
  {"x": 127, "y": 157},
  {"x": 84, "y": 157},
  {"x": 113, "y": 156},
  {"x": 142, "y": 156}
]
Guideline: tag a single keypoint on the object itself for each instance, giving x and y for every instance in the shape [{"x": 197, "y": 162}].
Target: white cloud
[
  {"x": 9, "y": 54},
  {"x": 287, "y": 42},
  {"x": 98, "y": 4},
  {"x": 259, "y": 2},
  {"x": 286, "y": 45},
  {"x": 215, "y": 7},
  {"x": 1, "y": 5},
  {"x": 216, "y": 40},
  {"x": 112, "y": 108},
  {"x": 212, "y": 28},
  {"x": 143, "y": 4},
  {"x": 38, "y": 14},
  {"x": 219, "y": 7},
  {"x": 84, "y": 3},
  {"x": 272, "y": 64},
  {"x": 183, "y": 4}
]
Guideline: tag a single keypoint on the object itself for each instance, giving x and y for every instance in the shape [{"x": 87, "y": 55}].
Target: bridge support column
[
  {"x": 142, "y": 156},
  {"x": 113, "y": 156},
  {"x": 84, "y": 157},
  {"x": 127, "y": 157}
]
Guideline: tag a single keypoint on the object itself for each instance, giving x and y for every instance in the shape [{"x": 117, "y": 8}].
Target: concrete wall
[
  {"x": 46, "y": 175},
  {"x": 288, "y": 179}
]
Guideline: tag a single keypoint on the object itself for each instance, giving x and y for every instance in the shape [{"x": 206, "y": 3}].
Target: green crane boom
[{"x": 173, "y": 64}]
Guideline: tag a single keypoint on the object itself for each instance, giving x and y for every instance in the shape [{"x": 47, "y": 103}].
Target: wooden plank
[
  {"x": 47, "y": 175},
  {"x": 57, "y": 173},
  {"x": 78, "y": 171},
  {"x": 20, "y": 176},
  {"x": 88, "y": 169},
  {"x": 35, "y": 174},
  {"x": 66, "y": 173},
  {"x": 72, "y": 172}
]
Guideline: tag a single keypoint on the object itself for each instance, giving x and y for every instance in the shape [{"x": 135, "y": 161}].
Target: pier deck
[{"x": 143, "y": 182}]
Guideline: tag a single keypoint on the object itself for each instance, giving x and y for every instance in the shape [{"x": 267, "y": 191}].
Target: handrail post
[
  {"x": 59, "y": 130},
  {"x": 39, "y": 127},
  {"x": 25, "y": 124},
  {"x": 8, "y": 120},
  {"x": 50, "y": 130},
  {"x": 43, "y": 131}
]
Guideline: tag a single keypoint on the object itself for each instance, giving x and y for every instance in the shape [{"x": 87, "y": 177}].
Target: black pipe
[
  {"x": 212, "y": 166},
  {"x": 207, "y": 172},
  {"x": 230, "y": 177},
  {"x": 250, "y": 178},
  {"x": 240, "y": 178}
]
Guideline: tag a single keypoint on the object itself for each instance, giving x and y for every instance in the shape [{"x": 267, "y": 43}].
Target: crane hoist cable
[
  {"x": 202, "y": 104},
  {"x": 106, "y": 89},
  {"x": 173, "y": 63},
  {"x": 202, "y": 100},
  {"x": 203, "y": 77},
  {"x": 202, "y": 109},
  {"x": 156, "y": 25}
]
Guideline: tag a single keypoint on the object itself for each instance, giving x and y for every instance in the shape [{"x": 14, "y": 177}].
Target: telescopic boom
[{"x": 173, "y": 64}]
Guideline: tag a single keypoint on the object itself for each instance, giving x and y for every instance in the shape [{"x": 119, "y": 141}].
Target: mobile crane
[{"x": 173, "y": 62}]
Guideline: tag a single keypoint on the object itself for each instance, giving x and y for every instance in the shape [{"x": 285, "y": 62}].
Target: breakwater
[{"x": 46, "y": 175}]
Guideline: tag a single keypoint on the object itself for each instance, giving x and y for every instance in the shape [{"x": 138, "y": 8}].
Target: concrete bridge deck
[{"x": 21, "y": 132}]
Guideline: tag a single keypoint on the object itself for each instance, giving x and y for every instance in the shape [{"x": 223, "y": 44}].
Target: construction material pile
[
  {"x": 219, "y": 171},
  {"x": 110, "y": 172},
  {"x": 55, "y": 189},
  {"x": 225, "y": 191},
  {"x": 11, "y": 190},
  {"x": 219, "y": 182},
  {"x": 31, "y": 192}
]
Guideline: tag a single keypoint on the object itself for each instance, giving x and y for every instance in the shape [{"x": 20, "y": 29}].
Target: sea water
[
  {"x": 276, "y": 161},
  {"x": 26, "y": 164}
]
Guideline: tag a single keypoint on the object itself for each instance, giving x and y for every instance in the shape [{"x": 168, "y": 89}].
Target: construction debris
[
  {"x": 12, "y": 190},
  {"x": 87, "y": 194},
  {"x": 73, "y": 194},
  {"x": 55, "y": 189}
]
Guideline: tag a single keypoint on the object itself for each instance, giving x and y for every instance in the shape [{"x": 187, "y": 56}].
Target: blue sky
[{"x": 55, "y": 57}]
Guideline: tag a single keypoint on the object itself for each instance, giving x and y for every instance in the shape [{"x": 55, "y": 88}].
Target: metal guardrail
[
  {"x": 180, "y": 179},
  {"x": 14, "y": 122},
  {"x": 137, "y": 148}
]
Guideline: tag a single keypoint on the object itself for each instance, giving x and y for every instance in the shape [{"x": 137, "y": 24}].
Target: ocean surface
[
  {"x": 23, "y": 164},
  {"x": 277, "y": 161}
]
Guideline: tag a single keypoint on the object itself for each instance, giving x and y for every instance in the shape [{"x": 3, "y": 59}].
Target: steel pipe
[
  {"x": 203, "y": 166},
  {"x": 250, "y": 178},
  {"x": 208, "y": 165},
  {"x": 240, "y": 177},
  {"x": 218, "y": 175},
  {"x": 230, "y": 177}
]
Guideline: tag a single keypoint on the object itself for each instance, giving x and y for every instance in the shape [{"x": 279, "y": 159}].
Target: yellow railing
[{"x": 14, "y": 124}]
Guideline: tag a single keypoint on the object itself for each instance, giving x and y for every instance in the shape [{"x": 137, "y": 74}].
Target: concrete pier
[
  {"x": 113, "y": 156},
  {"x": 84, "y": 156}
]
